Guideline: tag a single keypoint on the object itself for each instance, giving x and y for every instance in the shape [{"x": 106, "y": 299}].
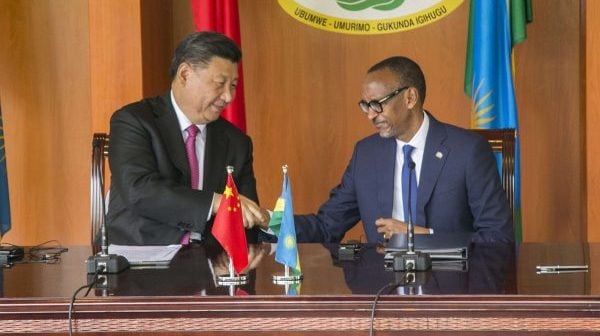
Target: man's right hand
[{"x": 252, "y": 214}]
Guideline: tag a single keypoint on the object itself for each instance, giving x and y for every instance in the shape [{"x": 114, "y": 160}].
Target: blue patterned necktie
[{"x": 407, "y": 173}]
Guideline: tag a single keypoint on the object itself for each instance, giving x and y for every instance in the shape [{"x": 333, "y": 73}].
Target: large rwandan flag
[
  {"x": 495, "y": 27},
  {"x": 282, "y": 224},
  {"x": 4, "y": 202}
]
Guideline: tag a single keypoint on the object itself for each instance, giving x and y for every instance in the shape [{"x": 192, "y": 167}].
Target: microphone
[
  {"x": 104, "y": 263},
  {"x": 411, "y": 260},
  {"x": 410, "y": 237}
]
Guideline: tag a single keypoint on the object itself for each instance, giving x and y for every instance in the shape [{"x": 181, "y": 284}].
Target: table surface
[
  {"x": 491, "y": 270},
  {"x": 497, "y": 290}
]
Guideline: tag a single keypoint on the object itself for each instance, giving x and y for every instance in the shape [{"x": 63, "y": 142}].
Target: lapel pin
[{"x": 439, "y": 155}]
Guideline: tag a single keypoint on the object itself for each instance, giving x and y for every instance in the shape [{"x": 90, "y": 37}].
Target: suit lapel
[
  {"x": 434, "y": 158},
  {"x": 386, "y": 163},
  {"x": 170, "y": 131},
  {"x": 215, "y": 157}
]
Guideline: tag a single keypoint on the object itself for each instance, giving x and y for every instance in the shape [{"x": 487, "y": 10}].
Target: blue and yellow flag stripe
[
  {"x": 495, "y": 26},
  {"x": 4, "y": 200}
]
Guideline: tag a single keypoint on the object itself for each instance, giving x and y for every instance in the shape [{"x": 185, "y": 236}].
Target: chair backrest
[
  {"x": 503, "y": 141},
  {"x": 97, "y": 192}
]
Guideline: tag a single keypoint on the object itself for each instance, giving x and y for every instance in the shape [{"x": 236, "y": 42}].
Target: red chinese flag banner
[
  {"x": 222, "y": 16},
  {"x": 228, "y": 227}
]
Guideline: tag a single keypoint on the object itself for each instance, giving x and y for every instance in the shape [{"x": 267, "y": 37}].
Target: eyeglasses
[{"x": 377, "y": 105}]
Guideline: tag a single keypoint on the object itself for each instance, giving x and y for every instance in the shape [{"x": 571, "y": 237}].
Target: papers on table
[{"x": 146, "y": 255}]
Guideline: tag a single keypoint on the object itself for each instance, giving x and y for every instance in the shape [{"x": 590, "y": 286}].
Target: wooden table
[{"x": 497, "y": 291}]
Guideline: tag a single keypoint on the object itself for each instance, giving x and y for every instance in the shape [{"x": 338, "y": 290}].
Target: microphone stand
[
  {"x": 104, "y": 262},
  {"x": 411, "y": 283},
  {"x": 411, "y": 260}
]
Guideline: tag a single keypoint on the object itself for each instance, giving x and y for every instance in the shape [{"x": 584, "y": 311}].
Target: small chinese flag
[{"x": 228, "y": 227}]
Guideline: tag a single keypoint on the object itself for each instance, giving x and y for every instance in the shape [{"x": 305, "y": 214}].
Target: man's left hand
[{"x": 389, "y": 226}]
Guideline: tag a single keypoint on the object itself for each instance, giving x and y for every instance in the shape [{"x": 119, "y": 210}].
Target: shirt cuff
[{"x": 211, "y": 207}]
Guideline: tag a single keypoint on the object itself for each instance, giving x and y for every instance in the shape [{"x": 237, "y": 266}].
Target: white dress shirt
[
  {"x": 184, "y": 123},
  {"x": 418, "y": 142}
]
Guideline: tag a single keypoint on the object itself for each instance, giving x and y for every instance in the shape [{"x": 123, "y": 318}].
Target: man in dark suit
[
  {"x": 458, "y": 189},
  {"x": 158, "y": 194}
]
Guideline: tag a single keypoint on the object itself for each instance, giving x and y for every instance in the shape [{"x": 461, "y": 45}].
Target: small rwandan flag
[
  {"x": 293, "y": 289},
  {"x": 282, "y": 224},
  {"x": 4, "y": 201},
  {"x": 495, "y": 26}
]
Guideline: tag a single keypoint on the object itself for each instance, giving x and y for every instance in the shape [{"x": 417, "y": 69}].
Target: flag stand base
[
  {"x": 226, "y": 280},
  {"x": 287, "y": 279}
]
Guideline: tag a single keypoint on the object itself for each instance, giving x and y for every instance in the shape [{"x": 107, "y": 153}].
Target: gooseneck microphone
[
  {"x": 411, "y": 260},
  {"x": 102, "y": 262},
  {"x": 410, "y": 237}
]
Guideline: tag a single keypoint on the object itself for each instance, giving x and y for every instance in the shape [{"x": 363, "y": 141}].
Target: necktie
[
  {"x": 190, "y": 150},
  {"x": 408, "y": 173}
]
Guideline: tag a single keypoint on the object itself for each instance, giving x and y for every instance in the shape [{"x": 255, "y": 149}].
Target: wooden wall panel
[
  {"x": 67, "y": 66},
  {"x": 157, "y": 41},
  {"x": 183, "y": 21},
  {"x": 115, "y": 58},
  {"x": 551, "y": 124},
  {"x": 116, "y": 53},
  {"x": 45, "y": 92},
  {"x": 592, "y": 109}
]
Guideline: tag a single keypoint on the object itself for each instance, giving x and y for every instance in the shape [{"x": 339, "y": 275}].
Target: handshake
[{"x": 252, "y": 214}]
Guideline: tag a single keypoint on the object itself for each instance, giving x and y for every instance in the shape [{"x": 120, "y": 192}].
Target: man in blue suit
[{"x": 459, "y": 189}]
